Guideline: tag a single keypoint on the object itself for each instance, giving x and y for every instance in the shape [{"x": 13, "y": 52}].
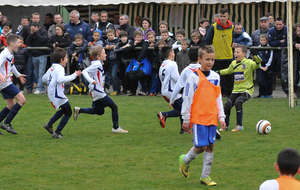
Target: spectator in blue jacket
[
  {"x": 78, "y": 26},
  {"x": 277, "y": 38},
  {"x": 241, "y": 37}
]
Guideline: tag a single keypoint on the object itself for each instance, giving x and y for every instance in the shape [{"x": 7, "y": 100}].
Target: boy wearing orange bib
[{"x": 202, "y": 107}]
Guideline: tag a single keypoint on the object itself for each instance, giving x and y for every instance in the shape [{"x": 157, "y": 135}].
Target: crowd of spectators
[{"x": 120, "y": 39}]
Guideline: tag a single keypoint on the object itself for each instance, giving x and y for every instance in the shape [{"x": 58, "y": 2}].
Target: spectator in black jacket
[
  {"x": 124, "y": 26},
  {"x": 20, "y": 61},
  {"x": 38, "y": 37},
  {"x": 60, "y": 39},
  {"x": 103, "y": 24}
]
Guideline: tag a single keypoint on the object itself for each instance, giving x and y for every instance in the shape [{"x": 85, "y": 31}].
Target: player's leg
[
  {"x": 48, "y": 126},
  {"x": 67, "y": 111},
  {"x": 94, "y": 110},
  {"x": 227, "y": 109},
  {"x": 239, "y": 110}
]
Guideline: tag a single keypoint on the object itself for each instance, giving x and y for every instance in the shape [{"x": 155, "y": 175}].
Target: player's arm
[
  {"x": 227, "y": 71},
  {"x": 188, "y": 96},
  {"x": 61, "y": 78},
  {"x": 179, "y": 85}
]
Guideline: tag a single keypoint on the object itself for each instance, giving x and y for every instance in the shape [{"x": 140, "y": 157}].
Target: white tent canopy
[{"x": 102, "y": 2}]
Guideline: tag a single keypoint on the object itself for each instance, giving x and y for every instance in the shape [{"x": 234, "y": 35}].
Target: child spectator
[
  {"x": 197, "y": 40},
  {"x": 153, "y": 57},
  {"x": 94, "y": 74},
  {"x": 6, "y": 29},
  {"x": 265, "y": 75},
  {"x": 243, "y": 84},
  {"x": 124, "y": 49},
  {"x": 97, "y": 39},
  {"x": 9, "y": 91},
  {"x": 168, "y": 74},
  {"x": 113, "y": 61},
  {"x": 164, "y": 34},
  {"x": 20, "y": 60},
  {"x": 202, "y": 108},
  {"x": 60, "y": 39},
  {"x": 180, "y": 35},
  {"x": 163, "y": 25},
  {"x": 182, "y": 57},
  {"x": 55, "y": 77},
  {"x": 139, "y": 55},
  {"x": 287, "y": 166},
  {"x": 203, "y": 23},
  {"x": 146, "y": 23}
]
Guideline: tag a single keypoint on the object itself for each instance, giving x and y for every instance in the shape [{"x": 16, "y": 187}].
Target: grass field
[{"x": 90, "y": 156}]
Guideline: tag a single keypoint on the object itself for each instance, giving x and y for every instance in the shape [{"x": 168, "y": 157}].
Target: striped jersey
[
  {"x": 55, "y": 77},
  {"x": 7, "y": 67},
  {"x": 168, "y": 74},
  {"x": 95, "y": 72}
]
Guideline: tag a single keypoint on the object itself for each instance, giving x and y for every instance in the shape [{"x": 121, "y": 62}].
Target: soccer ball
[{"x": 263, "y": 127}]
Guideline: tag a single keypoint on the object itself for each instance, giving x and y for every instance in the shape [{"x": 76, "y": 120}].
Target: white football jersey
[
  {"x": 95, "y": 72},
  {"x": 55, "y": 77},
  {"x": 168, "y": 74},
  {"x": 182, "y": 79},
  {"x": 7, "y": 67}
]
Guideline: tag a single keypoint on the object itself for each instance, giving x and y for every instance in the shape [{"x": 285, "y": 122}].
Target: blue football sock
[
  {"x": 56, "y": 116},
  {"x": 62, "y": 124},
  {"x": 13, "y": 112},
  {"x": 4, "y": 113}
]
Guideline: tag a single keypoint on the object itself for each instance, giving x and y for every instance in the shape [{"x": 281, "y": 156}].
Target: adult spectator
[
  {"x": 60, "y": 39},
  {"x": 116, "y": 20},
  {"x": 271, "y": 19},
  {"x": 277, "y": 38},
  {"x": 58, "y": 19},
  {"x": 296, "y": 45},
  {"x": 241, "y": 37},
  {"x": 216, "y": 17},
  {"x": 124, "y": 26},
  {"x": 146, "y": 27},
  {"x": 138, "y": 22},
  {"x": 24, "y": 22},
  {"x": 220, "y": 36},
  {"x": 48, "y": 20},
  {"x": 78, "y": 26},
  {"x": 38, "y": 37},
  {"x": 94, "y": 20},
  {"x": 104, "y": 25},
  {"x": 264, "y": 29},
  {"x": 29, "y": 71}
]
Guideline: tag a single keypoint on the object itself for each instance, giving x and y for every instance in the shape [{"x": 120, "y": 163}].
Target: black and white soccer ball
[{"x": 263, "y": 127}]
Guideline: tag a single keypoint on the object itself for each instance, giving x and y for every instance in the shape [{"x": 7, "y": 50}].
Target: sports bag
[
  {"x": 73, "y": 88},
  {"x": 137, "y": 71}
]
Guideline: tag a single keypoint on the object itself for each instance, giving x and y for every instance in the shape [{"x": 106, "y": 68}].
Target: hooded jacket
[{"x": 82, "y": 28}]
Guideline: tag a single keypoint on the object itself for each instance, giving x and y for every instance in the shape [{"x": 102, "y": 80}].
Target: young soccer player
[
  {"x": 287, "y": 166},
  {"x": 243, "y": 84},
  {"x": 168, "y": 74},
  {"x": 202, "y": 107},
  {"x": 55, "y": 77},
  {"x": 9, "y": 91},
  {"x": 95, "y": 76}
]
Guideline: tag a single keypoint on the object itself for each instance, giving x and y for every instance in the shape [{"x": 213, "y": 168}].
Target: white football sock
[
  {"x": 191, "y": 155},
  {"x": 207, "y": 162}
]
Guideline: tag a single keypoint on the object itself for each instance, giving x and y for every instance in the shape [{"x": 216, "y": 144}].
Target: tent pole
[
  {"x": 290, "y": 53},
  {"x": 200, "y": 13},
  {"x": 89, "y": 13}
]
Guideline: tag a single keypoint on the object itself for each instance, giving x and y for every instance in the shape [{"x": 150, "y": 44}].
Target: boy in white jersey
[
  {"x": 9, "y": 91},
  {"x": 168, "y": 74},
  {"x": 94, "y": 74},
  {"x": 55, "y": 77},
  {"x": 202, "y": 107}
]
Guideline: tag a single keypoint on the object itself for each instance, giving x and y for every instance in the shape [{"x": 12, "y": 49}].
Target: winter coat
[
  {"x": 81, "y": 28},
  {"x": 21, "y": 57},
  {"x": 62, "y": 41}
]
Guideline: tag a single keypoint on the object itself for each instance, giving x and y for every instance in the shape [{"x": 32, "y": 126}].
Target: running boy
[
  {"x": 287, "y": 166},
  {"x": 55, "y": 77},
  {"x": 243, "y": 84},
  {"x": 202, "y": 107},
  {"x": 9, "y": 91},
  {"x": 168, "y": 74},
  {"x": 95, "y": 76}
]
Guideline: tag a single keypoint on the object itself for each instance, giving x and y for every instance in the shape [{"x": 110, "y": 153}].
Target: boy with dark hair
[
  {"x": 55, "y": 77},
  {"x": 182, "y": 58},
  {"x": 113, "y": 61},
  {"x": 7, "y": 29},
  {"x": 163, "y": 25},
  {"x": 164, "y": 34},
  {"x": 168, "y": 74},
  {"x": 196, "y": 39},
  {"x": 287, "y": 166},
  {"x": 9, "y": 91},
  {"x": 180, "y": 35},
  {"x": 94, "y": 74},
  {"x": 242, "y": 68},
  {"x": 202, "y": 108}
]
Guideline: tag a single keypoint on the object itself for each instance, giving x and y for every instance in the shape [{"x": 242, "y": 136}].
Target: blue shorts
[
  {"x": 102, "y": 103},
  {"x": 204, "y": 135},
  {"x": 10, "y": 91}
]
